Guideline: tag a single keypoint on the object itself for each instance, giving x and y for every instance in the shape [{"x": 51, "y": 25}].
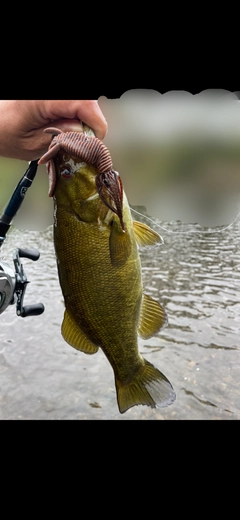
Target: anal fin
[{"x": 75, "y": 336}]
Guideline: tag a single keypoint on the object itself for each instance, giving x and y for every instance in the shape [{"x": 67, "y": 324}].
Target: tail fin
[{"x": 149, "y": 387}]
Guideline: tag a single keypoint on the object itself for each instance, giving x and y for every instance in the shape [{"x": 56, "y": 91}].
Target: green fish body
[{"x": 100, "y": 276}]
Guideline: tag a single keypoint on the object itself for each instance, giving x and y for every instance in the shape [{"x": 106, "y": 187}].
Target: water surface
[{"x": 196, "y": 277}]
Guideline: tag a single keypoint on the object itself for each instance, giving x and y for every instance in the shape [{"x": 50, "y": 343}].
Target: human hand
[{"x": 22, "y": 123}]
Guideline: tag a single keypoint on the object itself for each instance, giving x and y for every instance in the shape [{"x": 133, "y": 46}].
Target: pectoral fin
[
  {"x": 152, "y": 317},
  {"x": 119, "y": 244},
  {"x": 75, "y": 336},
  {"x": 145, "y": 236}
]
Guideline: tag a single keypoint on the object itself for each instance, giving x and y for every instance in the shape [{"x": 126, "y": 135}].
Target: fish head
[
  {"x": 77, "y": 182},
  {"x": 94, "y": 178},
  {"x": 74, "y": 178},
  {"x": 75, "y": 188}
]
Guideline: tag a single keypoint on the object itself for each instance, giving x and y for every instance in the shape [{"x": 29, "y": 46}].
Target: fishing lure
[{"x": 92, "y": 151}]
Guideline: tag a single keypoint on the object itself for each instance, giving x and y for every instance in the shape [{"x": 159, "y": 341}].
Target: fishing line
[{"x": 199, "y": 232}]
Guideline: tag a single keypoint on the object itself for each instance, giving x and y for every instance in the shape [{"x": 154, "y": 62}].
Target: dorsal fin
[
  {"x": 152, "y": 317},
  {"x": 145, "y": 236}
]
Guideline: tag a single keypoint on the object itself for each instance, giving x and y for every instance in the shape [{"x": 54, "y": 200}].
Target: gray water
[{"x": 196, "y": 277}]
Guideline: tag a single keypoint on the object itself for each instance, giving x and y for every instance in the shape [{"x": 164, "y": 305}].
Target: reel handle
[
  {"x": 31, "y": 310},
  {"x": 32, "y": 254},
  {"x": 21, "y": 283}
]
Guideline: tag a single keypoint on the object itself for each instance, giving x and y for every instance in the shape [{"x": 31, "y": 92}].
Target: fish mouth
[{"x": 110, "y": 189}]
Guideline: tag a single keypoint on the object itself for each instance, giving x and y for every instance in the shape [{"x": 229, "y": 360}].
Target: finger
[
  {"x": 40, "y": 142},
  {"x": 87, "y": 111},
  {"x": 91, "y": 114}
]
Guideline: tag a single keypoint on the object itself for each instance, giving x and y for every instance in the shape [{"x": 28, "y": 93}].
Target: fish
[{"x": 97, "y": 246}]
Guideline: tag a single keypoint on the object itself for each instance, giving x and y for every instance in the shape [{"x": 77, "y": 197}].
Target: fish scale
[
  {"x": 99, "y": 304},
  {"x": 99, "y": 272}
]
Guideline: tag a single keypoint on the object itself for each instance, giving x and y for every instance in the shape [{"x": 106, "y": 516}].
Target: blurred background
[{"x": 178, "y": 155}]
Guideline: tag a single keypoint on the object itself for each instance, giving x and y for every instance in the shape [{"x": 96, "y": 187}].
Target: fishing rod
[{"x": 13, "y": 283}]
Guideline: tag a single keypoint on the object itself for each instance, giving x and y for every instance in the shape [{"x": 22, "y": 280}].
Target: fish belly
[{"x": 103, "y": 300}]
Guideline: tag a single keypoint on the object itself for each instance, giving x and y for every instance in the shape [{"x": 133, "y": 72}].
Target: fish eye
[{"x": 66, "y": 173}]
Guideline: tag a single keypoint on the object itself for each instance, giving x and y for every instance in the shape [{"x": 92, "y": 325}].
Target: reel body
[
  {"x": 7, "y": 286},
  {"x": 13, "y": 284}
]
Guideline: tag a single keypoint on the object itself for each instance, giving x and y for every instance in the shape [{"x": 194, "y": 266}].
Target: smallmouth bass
[{"x": 97, "y": 250}]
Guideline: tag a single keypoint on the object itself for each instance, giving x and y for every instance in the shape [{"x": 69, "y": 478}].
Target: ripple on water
[{"x": 195, "y": 277}]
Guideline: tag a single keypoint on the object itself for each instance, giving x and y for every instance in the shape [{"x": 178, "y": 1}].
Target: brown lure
[
  {"x": 92, "y": 151},
  {"x": 111, "y": 183}
]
